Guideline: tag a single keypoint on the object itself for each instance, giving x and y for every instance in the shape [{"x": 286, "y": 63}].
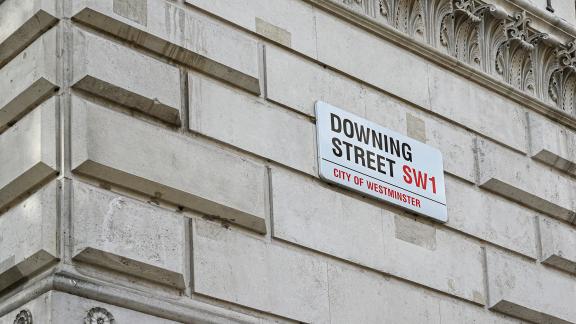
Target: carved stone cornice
[{"x": 480, "y": 41}]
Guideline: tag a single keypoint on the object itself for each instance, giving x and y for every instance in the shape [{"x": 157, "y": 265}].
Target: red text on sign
[{"x": 419, "y": 178}]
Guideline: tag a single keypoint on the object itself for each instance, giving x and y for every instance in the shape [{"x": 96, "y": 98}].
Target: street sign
[{"x": 360, "y": 155}]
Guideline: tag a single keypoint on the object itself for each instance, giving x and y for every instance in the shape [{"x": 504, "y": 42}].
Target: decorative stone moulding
[
  {"x": 487, "y": 38},
  {"x": 23, "y": 317},
  {"x": 99, "y": 315}
]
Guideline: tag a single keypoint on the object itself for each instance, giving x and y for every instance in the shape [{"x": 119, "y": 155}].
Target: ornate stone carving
[
  {"x": 562, "y": 84},
  {"x": 23, "y": 317},
  {"x": 487, "y": 38},
  {"x": 99, "y": 315}
]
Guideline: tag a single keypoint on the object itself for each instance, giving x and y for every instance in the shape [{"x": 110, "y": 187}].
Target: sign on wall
[{"x": 363, "y": 156}]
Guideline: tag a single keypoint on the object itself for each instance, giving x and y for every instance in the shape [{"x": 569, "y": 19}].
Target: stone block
[
  {"x": 21, "y": 22},
  {"x": 68, "y": 308},
  {"x": 558, "y": 241},
  {"x": 491, "y": 218},
  {"x": 121, "y": 74},
  {"x": 298, "y": 83},
  {"x": 478, "y": 108},
  {"x": 351, "y": 228},
  {"x": 183, "y": 35},
  {"x": 384, "y": 66},
  {"x": 32, "y": 142},
  {"x": 294, "y": 82},
  {"x": 432, "y": 256},
  {"x": 365, "y": 234},
  {"x": 158, "y": 162},
  {"x": 362, "y": 296},
  {"x": 252, "y": 124},
  {"x": 38, "y": 308},
  {"x": 127, "y": 235},
  {"x": 28, "y": 79},
  {"x": 529, "y": 291},
  {"x": 552, "y": 143},
  {"x": 242, "y": 269},
  {"x": 269, "y": 19},
  {"x": 28, "y": 235},
  {"x": 535, "y": 185}
]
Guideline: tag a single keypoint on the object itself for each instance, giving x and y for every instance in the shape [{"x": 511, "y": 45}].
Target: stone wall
[{"x": 158, "y": 161}]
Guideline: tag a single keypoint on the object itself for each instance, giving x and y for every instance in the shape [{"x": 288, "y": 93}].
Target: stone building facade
[{"x": 158, "y": 161}]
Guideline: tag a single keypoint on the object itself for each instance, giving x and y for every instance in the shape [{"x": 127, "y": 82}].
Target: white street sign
[{"x": 363, "y": 156}]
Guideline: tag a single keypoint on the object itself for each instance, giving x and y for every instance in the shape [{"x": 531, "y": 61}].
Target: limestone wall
[{"x": 158, "y": 161}]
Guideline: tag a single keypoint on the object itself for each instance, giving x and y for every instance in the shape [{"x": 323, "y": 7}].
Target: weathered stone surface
[
  {"x": 39, "y": 308},
  {"x": 33, "y": 157},
  {"x": 21, "y": 22},
  {"x": 126, "y": 235},
  {"x": 558, "y": 241},
  {"x": 183, "y": 35},
  {"x": 456, "y": 145},
  {"x": 478, "y": 108},
  {"x": 28, "y": 79},
  {"x": 251, "y": 124},
  {"x": 362, "y": 296},
  {"x": 236, "y": 267},
  {"x": 518, "y": 178},
  {"x": 295, "y": 30},
  {"x": 434, "y": 257},
  {"x": 28, "y": 236},
  {"x": 385, "y": 66},
  {"x": 68, "y": 308},
  {"x": 529, "y": 291},
  {"x": 365, "y": 234},
  {"x": 110, "y": 70},
  {"x": 116, "y": 148},
  {"x": 298, "y": 83},
  {"x": 351, "y": 228},
  {"x": 490, "y": 217},
  {"x": 552, "y": 143}
]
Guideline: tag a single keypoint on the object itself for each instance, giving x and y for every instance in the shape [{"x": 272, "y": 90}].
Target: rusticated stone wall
[{"x": 158, "y": 161}]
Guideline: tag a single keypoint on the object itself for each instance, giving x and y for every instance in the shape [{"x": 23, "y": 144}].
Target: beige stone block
[
  {"x": 351, "y": 228},
  {"x": 529, "y": 291},
  {"x": 129, "y": 236},
  {"x": 242, "y": 269},
  {"x": 28, "y": 79},
  {"x": 490, "y": 217},
  {"x": 362, "y": 296},
  {"x": 535, "y": 185},
  {"x": 68, "y": 308},
  {"x": 21, "y": 22},
  {"x": 365, "y": 234},
  {"x": 478, "y": 108},
  {"x": 558, "y": 241},
  {"x": 158, "y": 162},
  {"x": 269, "y": 19},
  {"x": 28, "y": 236},
  {"x": 552, "y": 143},
  {"x": 121, "y": 74},
  {"x": 298, "y": 83},
  {"x": 432, "y": 256},
  {"x": 252, "y": 124},
  {"x": 33, "y": 160},
  {"x": 384, "y": 66},
  {"x": 180, "y": 34}
]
